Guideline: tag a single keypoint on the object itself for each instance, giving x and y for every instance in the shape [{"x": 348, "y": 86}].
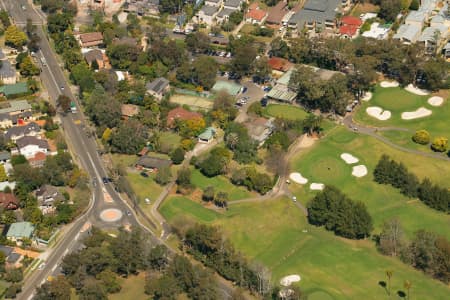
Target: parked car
[{"x": 264, "y": 102}]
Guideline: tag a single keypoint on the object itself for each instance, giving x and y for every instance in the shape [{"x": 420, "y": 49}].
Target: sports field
[
  {"x": 285, "y": 111},
  {"x": 397, "y": 100},
  {"x": 192, "y": 101}
]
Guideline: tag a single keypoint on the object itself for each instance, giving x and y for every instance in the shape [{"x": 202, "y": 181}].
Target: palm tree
[
  {"x": 312, "y": 124},
  {"x": 389, "y": 276},
  {"x": 407, "y": 286}
]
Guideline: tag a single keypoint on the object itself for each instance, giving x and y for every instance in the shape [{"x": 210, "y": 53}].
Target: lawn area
[
  {"x": 271, "y": 232},
  {"x": 169, "y": 140},
  {"x": 124, "y": 159},
  {"x": 144, "y": 187},
  {"x": 397, "y": 100},
  {"x": 284, "y": 111},
  {"x": 322, "y": 163},
  {"x": 181, "y": 206},
  {"x": 132, "y": 288},
  {"x": 220, "y": 184}
]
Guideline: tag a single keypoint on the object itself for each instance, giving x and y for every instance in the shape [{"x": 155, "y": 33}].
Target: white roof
[
  {"x": 376, "y": 31},
  {"x": 407, "y": 32},
  {"x": 368, "y": 16},
  {"x": 120, "y": 75}
]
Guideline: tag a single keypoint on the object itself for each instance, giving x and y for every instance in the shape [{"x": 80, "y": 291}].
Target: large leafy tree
[
  {"x": 15, "y": 37},
  {"x": 129, "y": 137}
]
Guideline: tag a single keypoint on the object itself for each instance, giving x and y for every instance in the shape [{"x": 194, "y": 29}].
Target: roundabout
[{"x": 111, "y": 215}]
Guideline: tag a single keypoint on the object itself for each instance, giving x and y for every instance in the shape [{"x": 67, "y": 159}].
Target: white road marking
[
  {"x": 77, "y": 236},
  {"x": 54, "y": 268}
]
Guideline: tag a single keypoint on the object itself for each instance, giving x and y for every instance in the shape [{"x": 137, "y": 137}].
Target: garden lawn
[
  {"x": 397, "y": 100},
  {"x": 144, "y": 187},
  {"x": 182, "y": 206},
  {"x": 272, "y": 232},
  {"x": 220, "y": 184},
  {"x": 132, "y": 288},
  {"x": 322, "y": 163},
  {"x": 284, "y": 111},
  {"x": 170, "y": 139}
]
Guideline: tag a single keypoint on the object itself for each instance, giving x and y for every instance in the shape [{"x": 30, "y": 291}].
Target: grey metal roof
[
  {"x": 232, "y": 3},
  {"x": 158, "y": 85},
  {"x": 225, "y": 12},
  {"x": 31, "y": 140},
  {"x": 209, "y": 10},
  {"x": 416, "y": 16},
  {"x": 5, "y": 155},
  {"x": 315, "y": 11},
  {"x": 15, "y": 106},
  {"x": 7, "y": 70},
  {"x": 95, "y": 54},
  {"x": 433, "y": 33},
  {"x": 407, "y": 32},
  {"x": 22, "y": 130}
]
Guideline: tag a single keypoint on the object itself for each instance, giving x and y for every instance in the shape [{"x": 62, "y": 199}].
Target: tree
[
  {"x": 28, "y": 68},
  {"x": 14, "y": 275},
  {"x": 262, "y": 69},
  {"x": 204, "y": 71},
  {"x": 184, "y": 177},
  {"x": 177, "y": 155},
  {"x": 197, "y": 42},
  {"x": 435, "y": 74},
  {"x": 389, "y": 274},
  {"x": 158, "y": 257},
  {"x": 92, "y": 289},
  {"x": 242, "y": 61},
  {"x": 440, "y": 144},
  {"x": 312, "y": 124},
  {"x": 170, "y": 6},
  {"x": 221, "y": 199},
  {"x": 421, "y": 137},
  {"x": 208, "y": 194},
  {"x": 109, "y": 280},
  {"x": 129, "y": 137},
  {"x": 63, "y": 102},
  {"x": 163, "y": 176},
  {"x": 3, "y": 176},
  {"x": 407, "y": 286},
  {"x": 102, "y": 109},
  {"x": 391, "y": 237},
  {"x": 389, "y": 9},
  {"x": 278, "y": 47},
  {"x": 57, "y": 289},
  {"x": 13, "y": 290},
  {"x": 15, "y": 37}
]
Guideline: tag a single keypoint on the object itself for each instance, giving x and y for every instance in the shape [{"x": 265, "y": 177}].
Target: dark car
[
  {"x": 143, "y": 174},
  {"x": 264, "y": 102},
  {"x": 105, "y": 180}
]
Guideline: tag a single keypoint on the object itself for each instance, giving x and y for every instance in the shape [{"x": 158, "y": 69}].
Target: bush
[
  {"x": 440, "y": 144},
  {"x": 208, "y": 194},
  {"x": 421, "y": 137},
  {"x": 177, "y": 155},
  {"x": 163, "y": 176}
]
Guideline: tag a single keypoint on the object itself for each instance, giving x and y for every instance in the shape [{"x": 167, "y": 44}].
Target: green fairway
[
  {"x": 177, "y": 206},
  {"x": 220, "y": 184},
  {"x": 276, "y": 233},
  {"x": 397, "y": 100},
  {"x": 322, "y": 163},
  {"x": 285, "y": 111}
]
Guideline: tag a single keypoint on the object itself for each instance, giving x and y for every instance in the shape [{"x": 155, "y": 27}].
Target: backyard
[
  {"x": 195, "y": 102},
  {"x": 284, "y": 111}
]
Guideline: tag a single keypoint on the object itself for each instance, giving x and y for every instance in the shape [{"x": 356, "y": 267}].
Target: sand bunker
[
  {"x": 389, "y": 84},
  {"x": 367, "y": 96},
  {"x": 349, "y": 159},
  {"x": 412, "y": 89},
  {"x": 298, "y": 178},
  {"x": 378, "y": 113},
  {"x": 436, "y": 101},
  {"x": 288, "y": 280},
  {"x": 418, "y": 113},
  {"x": 316, "y": 186},
  {"x": 359, "y": 171}
]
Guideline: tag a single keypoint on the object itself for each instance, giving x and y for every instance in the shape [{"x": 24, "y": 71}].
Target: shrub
[
  {"x": 421, "y": 137},
  {"x": 177, "y": 155},
  {"x": 440, "y": 144}
]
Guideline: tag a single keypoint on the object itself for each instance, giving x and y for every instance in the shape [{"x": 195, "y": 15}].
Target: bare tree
[
  {"x": 264, "y": 278},
  {"x": 391, "y": 237}
]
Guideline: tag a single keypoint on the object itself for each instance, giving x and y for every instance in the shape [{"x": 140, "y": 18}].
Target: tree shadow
[
  {"x": 383, "y": 284},
  {"x": 401, "y": 294}
]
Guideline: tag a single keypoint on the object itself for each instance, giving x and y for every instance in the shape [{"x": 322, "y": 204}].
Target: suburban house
[
  {"x": 99, "y": 57},
  {"x": 259, "y": 129},
  {"x": 207, "y": 14},
  {"x": 281, "y": 91},
  {"x": 232, "y": 4},
  {"x": 16, "y": 132},
  {"x": 277, "y": 12},
  {"x": 14, "y": 90},
  {"x": 19, "y": 231},
  {"x": 224, "y": 15},
  {"x": 91, "y": 39},
  {"x": 8, "y": 201},
  {"x": 207, "y": 135},
  {"x": 152, "y": 163},
  {"x": 142, "y": 7},
  {"x": 5, "y": 156},
  {"x": 29, "y": 146},
  {"x": 180, "y": 113},
  {"x": 8, "y": 74},
  {"x": 158, "y": 87},
  {"x": 255, "y": 15},
  {"x": 7, "y": 120},
  {"x": 12, "y": 258},
  {"x": 316, "y": 15},
  {"x": 15, "y": 107},
  {"x": 378, "y": 31},
  {"x": 46, "y": 195},
  {"x": 216, "y": 3},
  {"x": 446, "y": 51},
  {"x": 349, "y": 27},
  {"x": 279, "y": 65},
  {"x": 38, "y": 160},
  {"x": 129, "y": 110},
  {"x": 408, "y": 33}
]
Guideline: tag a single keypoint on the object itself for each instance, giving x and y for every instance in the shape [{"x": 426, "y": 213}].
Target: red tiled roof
[
  {"x": 40, "y": 156},
  {"x": 277, "y": 12},
  {"x": 348, "y": 30},
  {"x": 279, "y": 64},
  {"x": 256, "y": 14},
  {"x": 350, "y": 20},
  {"x": 91, "y": 37},
  {"x": 8, "y": 201},
  {"x": 182, "y": 114}
]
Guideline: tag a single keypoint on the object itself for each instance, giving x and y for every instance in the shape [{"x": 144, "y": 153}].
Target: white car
[
  {"x": 41, "y": 266},
  {"x": 294, "y": 198}
]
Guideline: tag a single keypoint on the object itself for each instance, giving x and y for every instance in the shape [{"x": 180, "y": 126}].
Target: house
[
  {"x": 91, "y": 39},
  {"x": 216, "y": 3},
  {"x": 207, "y": 14},
  {"x": 7, "y": 120},
  {"x": 129, "y": 110},
  {"x": 416, "y": 17},
  {"x": 19, "y": 231},
  {"x": 446, "y": 51},
  {"x": 378, "y": 31},
  {"x": 14, "y": 90},
  {"x": 432, "y": 37},
  {"x": 99, "y": 57},
  {"x": 8, "y": 201},
  {"x": 279, "y": 65},
  {"x": 46, "y": 196},
  {"x": 15, "y": 107},
  {"x": 349, "y": 27},
  {"x": 259, "y": 129},
  {"x": 4, "y": 156},
  {"x": 12, "y": 258},
  {"x": 232, "y": 4},
  {"x": 277, "y": 12},
  {"x": 180, "y": 113},
  {"x": 207, "y": 135},
  {"x": 29, "y": 146},
  {"x": 281, "y": 91},
  {"x": 8, "y": 74},
  {"x": 16, "y": 132},
  {"x": 255, "y": 15},
  {"x": 38, "y": 160},
  {"x": 224, "y": 15},
  {"x": 158, "y": 87},
  {"x": 408, "y": 33},
  {"x": 230, "y": 87},
  {"x": 152, "y": 163},
  {"x": 316, "y": 15}
]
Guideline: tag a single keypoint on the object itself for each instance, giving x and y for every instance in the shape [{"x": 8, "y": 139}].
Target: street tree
[
  {"x": 15, "y": 37},
  {"x": 63, "y": 102}
]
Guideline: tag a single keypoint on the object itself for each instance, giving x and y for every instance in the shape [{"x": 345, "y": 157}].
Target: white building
[{"x": 29, "y": 146}]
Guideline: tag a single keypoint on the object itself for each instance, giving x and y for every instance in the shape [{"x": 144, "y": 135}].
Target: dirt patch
[{"x": 29, "y": 253}]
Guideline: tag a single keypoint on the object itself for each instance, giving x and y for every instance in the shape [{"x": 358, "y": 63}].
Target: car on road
[
  {"x": 143, "y": 174},
  {"x": 128, "y": 213},
  {"x": 244, "y": 89},
  {"x": 106, "y": 180},
  {"x": 264, "y": 101},
  {"x": 41, "y": 266},
  {"x": 62, "y": 88}
]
